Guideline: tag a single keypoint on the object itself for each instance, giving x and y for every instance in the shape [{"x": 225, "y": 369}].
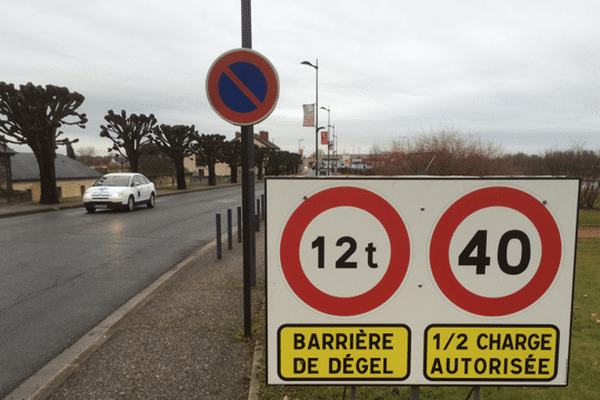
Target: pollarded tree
[
  {"x": 274, "y": 163},
  {"x": 232, "y": 156},
  {"x": 154, "y": 161},
  {"x": 33, "y": 117},
  {"x": 294, "y": 163},
  {"x": 261, "y": 158},
  {"x": 128, "y": 134},
  {"x": 209, "y": 151},
  {"x": 177, "y": 142}
]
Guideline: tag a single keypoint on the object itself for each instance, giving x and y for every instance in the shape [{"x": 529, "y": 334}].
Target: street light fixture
[{"x": 316, "y": 67}]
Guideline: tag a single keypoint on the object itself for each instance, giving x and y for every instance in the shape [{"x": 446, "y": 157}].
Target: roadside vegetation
[
  {"x": 33, "y": 115},
  {"x": 589, "y": 216},
  {"x": 448, "y": 152}
]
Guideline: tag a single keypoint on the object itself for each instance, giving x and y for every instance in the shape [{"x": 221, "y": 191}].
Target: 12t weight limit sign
[
  {"x": 503, "y": 268},
  {"x": 343, "y": 261},
  {"x": 344, "y": 251}
]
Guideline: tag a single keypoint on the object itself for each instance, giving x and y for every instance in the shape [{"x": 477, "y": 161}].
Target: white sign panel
[{"x": 420, "y": 281}]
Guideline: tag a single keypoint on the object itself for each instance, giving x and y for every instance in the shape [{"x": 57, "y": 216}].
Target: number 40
[{"x": 478, "y": 245}]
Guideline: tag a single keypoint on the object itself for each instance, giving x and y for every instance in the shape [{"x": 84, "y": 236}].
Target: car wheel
[
  {"x": 152, "y": 201},
  {"x": 130, "y": 203},
  {"x": 90, "y": 209}
]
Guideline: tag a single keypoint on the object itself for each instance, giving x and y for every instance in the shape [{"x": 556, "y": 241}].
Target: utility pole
[{"x": 248, "y": 188}]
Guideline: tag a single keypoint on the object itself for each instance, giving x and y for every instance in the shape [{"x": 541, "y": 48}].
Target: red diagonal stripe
[{"x": 242, "y": 87}]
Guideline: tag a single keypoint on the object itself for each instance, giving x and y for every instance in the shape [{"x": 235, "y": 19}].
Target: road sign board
[
  {"x": 503, "y": 201},
  {"x": 242, "y": 87},
  {"x": 495, "y": 353},
  {"x": 380, "y": 352},
  {"x": 473, "y": 273},
  {"x": 357, "y": 202}
]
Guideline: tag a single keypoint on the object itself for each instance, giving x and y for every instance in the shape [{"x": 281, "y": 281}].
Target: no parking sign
[
  {"x": 420, "y": 281},
  {"x": 242, "y": 87}
]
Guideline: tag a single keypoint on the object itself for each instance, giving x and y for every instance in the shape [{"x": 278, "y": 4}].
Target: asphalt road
[{"x": 63, "y": 272}]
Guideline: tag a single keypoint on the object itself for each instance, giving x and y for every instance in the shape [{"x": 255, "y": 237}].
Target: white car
[{"x": 121, "y": 190}]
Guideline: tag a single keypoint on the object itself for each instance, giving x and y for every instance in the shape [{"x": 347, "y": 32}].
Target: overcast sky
[{"x": 521, "y": 74}]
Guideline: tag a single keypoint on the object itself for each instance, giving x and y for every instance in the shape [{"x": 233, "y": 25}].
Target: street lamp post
[
  {"x": 316, "y": 67},
  {"x": 328, "y": 126},
  {"x": 300, "y": 152},
  {"x": 335, "y": 155}
]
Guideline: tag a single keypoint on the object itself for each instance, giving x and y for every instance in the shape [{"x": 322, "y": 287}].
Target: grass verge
[{"x": 589, "y": 217}]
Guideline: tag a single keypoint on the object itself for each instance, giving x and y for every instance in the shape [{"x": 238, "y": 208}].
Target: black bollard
[
  {"x": 229, "y": 241},
  {"x": 239, "y": 223},
  {"x": 257, "y": 216},
  {"x": 218, "y": 236}
]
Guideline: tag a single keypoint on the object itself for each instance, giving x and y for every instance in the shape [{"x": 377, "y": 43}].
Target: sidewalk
[
  {"x": 185, "y": 343},
  {"x": 16, "y": 209},
  {"x": 180, "y": 338}
]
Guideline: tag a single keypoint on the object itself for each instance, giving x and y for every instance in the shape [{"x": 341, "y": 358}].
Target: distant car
[{"x": 121, "y": 190}]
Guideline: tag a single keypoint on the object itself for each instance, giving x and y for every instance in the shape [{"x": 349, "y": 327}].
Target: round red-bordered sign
[
  {"x": 513, "y": 199},
  {"x": 242, "y": 87},
  {"x": 344, "y": 196}
]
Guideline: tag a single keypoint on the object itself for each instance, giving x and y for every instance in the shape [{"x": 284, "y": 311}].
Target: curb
[
  {"x": 35, "y": 210},
  {"x": 46, "y": 380},
  {"x": 254, "y": 388}
]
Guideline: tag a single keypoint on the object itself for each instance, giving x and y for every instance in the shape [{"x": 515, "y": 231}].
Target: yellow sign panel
[
  {"x": 491, "y": 353},
  {"x": 344, "y": 352}
]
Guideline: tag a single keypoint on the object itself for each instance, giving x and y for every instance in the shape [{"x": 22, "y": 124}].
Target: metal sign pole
[
  {"x": 414, "y": 393},
  {"x": 247, "y": 186}
]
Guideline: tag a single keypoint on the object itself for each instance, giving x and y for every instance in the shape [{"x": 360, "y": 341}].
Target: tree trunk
[
  {"x": 233, "y": 169},
  {"x": 212, "y": 179},
  {"x": 180, "y": 170},
  {"x": 259, "y": 169},
  {"x": 49, "y": 193},
  {"x": 133, "y": 161}
]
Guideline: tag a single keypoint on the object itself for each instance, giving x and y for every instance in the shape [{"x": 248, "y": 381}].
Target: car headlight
[{"x": 117, "y": 195}]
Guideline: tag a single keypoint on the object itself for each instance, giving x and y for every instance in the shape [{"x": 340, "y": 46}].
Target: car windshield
[{"x": 113, "y": 180}]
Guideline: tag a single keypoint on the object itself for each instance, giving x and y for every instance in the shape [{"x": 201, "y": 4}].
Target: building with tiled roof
[{"x": 72, "y": 177}]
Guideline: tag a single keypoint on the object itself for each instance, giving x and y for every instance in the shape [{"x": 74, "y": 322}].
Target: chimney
[{"x": 264, "y": 135}]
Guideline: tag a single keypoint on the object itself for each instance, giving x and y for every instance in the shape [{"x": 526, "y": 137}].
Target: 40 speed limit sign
[{"x": 420, "y": 281}]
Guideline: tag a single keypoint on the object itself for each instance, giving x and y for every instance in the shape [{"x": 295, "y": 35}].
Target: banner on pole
[
  {"x": 324, "y": 137},
  {"x": 309, "y": 115}
]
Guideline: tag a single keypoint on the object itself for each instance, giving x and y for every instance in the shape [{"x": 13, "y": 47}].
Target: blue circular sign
[{"x": 251, "y": 77}]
